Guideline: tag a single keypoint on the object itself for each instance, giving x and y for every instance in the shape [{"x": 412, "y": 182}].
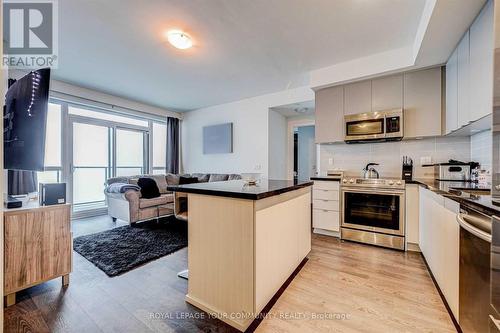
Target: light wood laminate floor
[
  {"x": 377, "y": 290},
  {"x": 350, "y": 287}
]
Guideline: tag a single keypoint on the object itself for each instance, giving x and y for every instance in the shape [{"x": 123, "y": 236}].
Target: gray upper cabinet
[
  {"x": 330, "y": 115},
  {"x": 452, "y": 93},
  {"x": 358, "y": 97},
  {"x": 481, "y": 63},
  {"x": 423, "y": 103},
  {"x": 387, "y": 93},
  {"x": 463, "y": 84},
  {"x": 418, "y": 93}
]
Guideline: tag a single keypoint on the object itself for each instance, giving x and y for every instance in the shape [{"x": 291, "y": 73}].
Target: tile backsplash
[
  {"x": 353, "y": 157},
  {"x": 481, "y": 149}
]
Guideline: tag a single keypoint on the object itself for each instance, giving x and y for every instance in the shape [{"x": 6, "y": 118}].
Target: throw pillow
[
  {"x": 149, "y": 189},
  {"x": 187, "y": 180},
  {"x": 215, "y": 177},
  {"x": 202, "y": 177},
  {"x": 172, "y": 179},
  {"x": 161, "y": 182}
]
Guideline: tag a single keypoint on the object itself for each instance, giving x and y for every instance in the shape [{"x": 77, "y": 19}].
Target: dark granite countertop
[
  {"x": 238, "y": 188},
  {"x": 332, "y": 179},
  {"x": 480, "y": 199}
]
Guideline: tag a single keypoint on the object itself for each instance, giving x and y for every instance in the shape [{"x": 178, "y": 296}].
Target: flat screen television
[{"x": 25, "y": 121}]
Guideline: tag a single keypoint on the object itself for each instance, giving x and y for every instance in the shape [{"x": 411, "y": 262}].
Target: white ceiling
[{"x": 243, "y": 48}]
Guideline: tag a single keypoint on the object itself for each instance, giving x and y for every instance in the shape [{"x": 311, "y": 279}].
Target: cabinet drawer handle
[{"x": 325, "y": 211}]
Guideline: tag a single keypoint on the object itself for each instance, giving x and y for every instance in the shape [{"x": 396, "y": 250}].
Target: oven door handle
[
  {"x": 373, "y": 191},
  {"x": 467, "y": 222}
]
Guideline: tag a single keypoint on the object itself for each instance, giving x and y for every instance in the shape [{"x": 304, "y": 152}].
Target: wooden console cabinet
[{"x": 38, "y": 247}]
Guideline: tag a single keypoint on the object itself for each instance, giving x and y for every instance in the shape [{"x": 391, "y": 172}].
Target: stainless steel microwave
[{"x": 374, "y": 126}]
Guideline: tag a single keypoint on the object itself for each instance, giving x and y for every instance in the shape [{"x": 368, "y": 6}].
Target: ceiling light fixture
[
  {"x": 301, "y": 110},
  {"x": 179, "y": 39}
]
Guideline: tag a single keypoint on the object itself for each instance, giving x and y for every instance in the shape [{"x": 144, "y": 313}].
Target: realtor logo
[{"x": 30, "y": 33}]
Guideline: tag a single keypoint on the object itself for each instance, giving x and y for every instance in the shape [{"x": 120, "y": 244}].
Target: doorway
[{"x": 304, "y": 149}]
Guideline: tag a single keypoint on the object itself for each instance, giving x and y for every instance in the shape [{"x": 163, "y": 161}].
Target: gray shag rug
[{"x": 121, "y": 249}]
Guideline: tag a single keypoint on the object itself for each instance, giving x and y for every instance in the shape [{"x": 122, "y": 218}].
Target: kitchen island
[{"x": 243, "y": 244}]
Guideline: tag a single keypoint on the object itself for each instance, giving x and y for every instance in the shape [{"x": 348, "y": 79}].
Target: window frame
[{"x": 64, "y": 171}]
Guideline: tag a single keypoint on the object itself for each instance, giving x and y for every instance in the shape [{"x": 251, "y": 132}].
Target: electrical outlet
[
  {"x": 425, "y": 160},
  {"x": 330, "y": 161},
  {"x": 258, "y": 167}
]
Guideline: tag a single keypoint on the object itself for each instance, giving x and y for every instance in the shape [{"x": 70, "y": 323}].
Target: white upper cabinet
[
  {"x": 419, "y": 93},
  {"x": 329, "y": 115},
  {"x": 358, "y": 97},
  {"x": 463, "y": 86},
  {"x": 452, "y": 93},
  {"x": 423, "y": 103},
  {"x": 481, "y": 63},
  {"x": 387, "y": 93}
]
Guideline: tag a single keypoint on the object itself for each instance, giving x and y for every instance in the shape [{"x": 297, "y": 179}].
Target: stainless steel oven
[
  {"x": 374, "y": 126},
  {"x": 373, "y": 212}
]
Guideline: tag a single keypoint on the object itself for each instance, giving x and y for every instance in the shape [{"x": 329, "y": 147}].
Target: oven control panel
[{"x": 380, "y": 183}]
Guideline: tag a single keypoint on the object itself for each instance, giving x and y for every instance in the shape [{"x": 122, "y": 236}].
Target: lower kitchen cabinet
[
  {"x": 326, "y": 208},
  {"x": 439, "y": 237}
]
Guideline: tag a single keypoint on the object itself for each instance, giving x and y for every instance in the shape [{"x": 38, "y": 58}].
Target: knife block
[{"x": 407, "y": 173}]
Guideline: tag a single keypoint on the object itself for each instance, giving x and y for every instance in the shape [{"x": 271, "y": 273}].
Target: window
[
  {"x": 104, "y": 145},
  {"x": 53, "y": 136},
  {"x": 53, "y": 144},
  {"x": 90, "y": 162},
  {"x": 129, "y": 152},
  {"x": 159, "y": 148},
  {"x": 106, "y": 116},
  {"x": 100, "y": 144}
]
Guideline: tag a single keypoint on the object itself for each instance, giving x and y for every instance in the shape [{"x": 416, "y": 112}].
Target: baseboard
[
  {"x": 239, "y": 325},
  {"x": 413, "y": 247},
  {"x": 326, "y": 232}
]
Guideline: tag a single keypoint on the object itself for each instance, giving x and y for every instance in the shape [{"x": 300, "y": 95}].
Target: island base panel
[{"x": 242, "y": 251}]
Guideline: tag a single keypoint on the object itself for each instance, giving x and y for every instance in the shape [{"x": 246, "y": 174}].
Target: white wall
[
  {"x": 250, "y": 118},
  {"x": 277, "y": 145}
]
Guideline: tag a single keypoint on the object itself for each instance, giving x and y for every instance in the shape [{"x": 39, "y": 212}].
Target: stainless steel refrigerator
[{"x": 494, "y": 294}]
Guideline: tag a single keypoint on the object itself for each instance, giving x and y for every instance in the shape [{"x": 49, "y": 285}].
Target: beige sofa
[{"x": 132, "y": 208}]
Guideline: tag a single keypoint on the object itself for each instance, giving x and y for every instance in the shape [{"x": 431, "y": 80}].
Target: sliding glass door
[
  {"x": 101, "y": 149},
  {"x": 91, "y": 165},
  {"x": 130, "y": 152}
]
